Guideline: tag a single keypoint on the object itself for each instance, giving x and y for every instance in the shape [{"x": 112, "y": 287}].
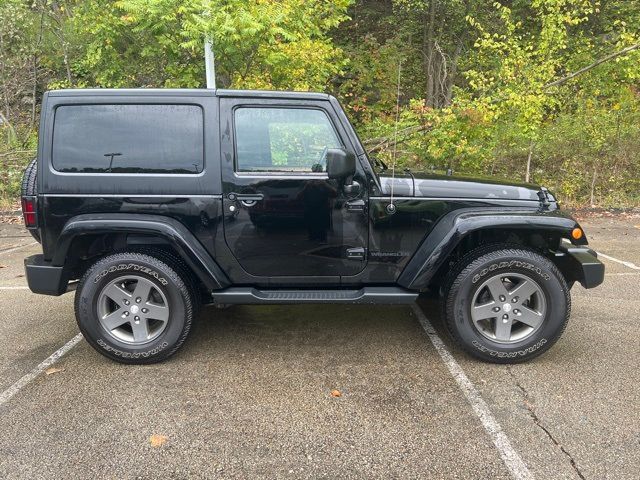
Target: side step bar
[{"x": 370, "y": 295}]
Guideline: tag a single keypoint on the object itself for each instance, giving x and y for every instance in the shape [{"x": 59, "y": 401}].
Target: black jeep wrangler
[{"x": 151, "y": 203}]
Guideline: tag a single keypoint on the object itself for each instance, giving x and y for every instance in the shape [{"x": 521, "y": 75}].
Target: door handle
[
  {"x": 356, "y": 206},
  {"x": 246, "y": 197}
]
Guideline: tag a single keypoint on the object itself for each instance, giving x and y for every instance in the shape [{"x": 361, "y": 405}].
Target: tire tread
[
  {"x": 29, "y": 188},
  {"x": 166, "y": 269},
  {"x": 486, "y": 254}
]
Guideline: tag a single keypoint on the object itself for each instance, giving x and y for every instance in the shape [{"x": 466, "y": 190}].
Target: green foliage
[
  {"x": 263, "y": 44},
  {"x": 503, "y": 112},
  {"x": 474, "y": 84}
]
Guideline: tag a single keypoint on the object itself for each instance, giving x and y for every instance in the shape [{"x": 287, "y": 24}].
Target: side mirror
[{"x": 340, "y": 163}]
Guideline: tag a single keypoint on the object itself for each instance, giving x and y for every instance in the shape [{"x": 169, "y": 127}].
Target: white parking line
[
  {"x": 9, "y": 250},
  {"x": 510, "y": 457},
  {"x": 29, "y": 377},
  {"x": 622, "y": 262},
  {"x": 24, "y": 287}
]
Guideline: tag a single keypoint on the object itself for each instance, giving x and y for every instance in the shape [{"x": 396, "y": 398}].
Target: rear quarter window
[{"x": 128, "y": 139}]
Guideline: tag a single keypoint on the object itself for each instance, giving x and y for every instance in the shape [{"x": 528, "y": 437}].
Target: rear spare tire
[{"x": 29, "y": 187}]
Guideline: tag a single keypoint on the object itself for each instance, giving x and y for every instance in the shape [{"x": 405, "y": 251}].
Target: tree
[
  {"x": 545, "y": 90},
  {"x": 262, "y": 44},
  {"x": 15, "y": 66},
  {"x": 519, "y": 59}
]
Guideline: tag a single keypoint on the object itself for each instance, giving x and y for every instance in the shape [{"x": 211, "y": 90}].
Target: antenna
[{"x": 391, "y": 208}]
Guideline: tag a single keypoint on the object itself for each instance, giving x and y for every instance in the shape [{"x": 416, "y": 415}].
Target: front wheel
[
  {"x": 134, "y": 308},
  {"x": 507, "y": 306}
]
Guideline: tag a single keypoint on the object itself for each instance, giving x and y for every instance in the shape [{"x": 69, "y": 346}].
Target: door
[{"x": 283, "y": 216}]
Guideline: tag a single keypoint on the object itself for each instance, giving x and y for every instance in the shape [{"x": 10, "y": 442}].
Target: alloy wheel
[
  {"x": 508, "y": 307},
  {"x": 133, "y": 309}
]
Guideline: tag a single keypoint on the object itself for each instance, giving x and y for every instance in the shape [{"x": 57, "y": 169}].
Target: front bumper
[
  {"x": 43, "y": 277},
  {"x": 580, "y": 264}
]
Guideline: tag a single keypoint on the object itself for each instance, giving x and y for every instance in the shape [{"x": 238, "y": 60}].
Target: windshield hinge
[{"x": 543, "y": 195}]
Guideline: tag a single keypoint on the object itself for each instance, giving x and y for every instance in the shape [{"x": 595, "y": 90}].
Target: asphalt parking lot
[{"x": 249, "y": 396}]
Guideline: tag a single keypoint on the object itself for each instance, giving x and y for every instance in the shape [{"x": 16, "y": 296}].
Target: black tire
[
  {"x": 164, "y": 279},
  {"x": 29, "y": 188},
  {"x": 466, "y": 279},
  {"x": 181, "y": 268}
]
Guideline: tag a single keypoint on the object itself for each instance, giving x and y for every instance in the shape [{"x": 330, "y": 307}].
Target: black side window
[
  {"x": 128, "y": 139},
  {"x": 292, "y": 140}
]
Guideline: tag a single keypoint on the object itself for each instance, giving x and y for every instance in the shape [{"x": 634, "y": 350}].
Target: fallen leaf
[
  {"x": 52, "y": 370},
  {"x": 157, "y": 440},
  {"x": 4, "y": 266},
  {"x": 336, "y": 393},
  {"x": 637, "y": 226}
]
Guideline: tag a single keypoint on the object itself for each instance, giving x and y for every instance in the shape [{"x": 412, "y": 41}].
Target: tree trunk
[
  {"x": 429, "y": 47},
  {"x": 453, "y": 72},
  {"x": 66, "y": 60},
  {"x": 442, "y": 76},
  {"x": 34, "y": 90},
  {"x": 59, "y": 33},
  {"x": 593, "y": 186},
  {"x": 3, "y": 78},
  {"x": 527, "y": 176}
]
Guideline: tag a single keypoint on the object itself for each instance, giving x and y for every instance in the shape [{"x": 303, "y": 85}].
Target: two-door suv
[{"x": 151, "y": 203}]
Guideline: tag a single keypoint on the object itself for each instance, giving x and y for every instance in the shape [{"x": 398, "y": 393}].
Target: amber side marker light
[{"x": 576, "y": 233}]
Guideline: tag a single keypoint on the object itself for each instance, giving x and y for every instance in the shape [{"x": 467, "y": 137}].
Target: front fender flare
[
  {"x": 175, "y": 233},
  {"x": 454, "y": 226}
]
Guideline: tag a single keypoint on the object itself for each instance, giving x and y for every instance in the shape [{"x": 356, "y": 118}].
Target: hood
[{"x": 417, "y": 184}]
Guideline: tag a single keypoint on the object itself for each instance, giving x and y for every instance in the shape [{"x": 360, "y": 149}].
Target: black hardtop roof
[{"x": 185, "y": 92}]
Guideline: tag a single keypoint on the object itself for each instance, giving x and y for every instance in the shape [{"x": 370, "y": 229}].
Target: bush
[{"x": 16, "y": 151}]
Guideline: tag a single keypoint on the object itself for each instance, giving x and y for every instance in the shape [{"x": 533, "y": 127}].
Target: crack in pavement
[{"x": 538, "y": 422}]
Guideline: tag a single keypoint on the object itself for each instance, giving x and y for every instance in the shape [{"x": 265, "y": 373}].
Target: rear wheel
[
  {"x": 134, "y": 308},
  {"x": 506, "y": 305}
]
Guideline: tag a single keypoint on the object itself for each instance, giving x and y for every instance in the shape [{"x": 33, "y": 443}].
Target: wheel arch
[
  {"x": 461, "y": 231},
  {"x": 89, "y": 236}
]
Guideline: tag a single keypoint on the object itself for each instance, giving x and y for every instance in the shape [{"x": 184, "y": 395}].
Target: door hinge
[
  {"x": 356, "y": 206},
  {"x": 356, "y": 253}
]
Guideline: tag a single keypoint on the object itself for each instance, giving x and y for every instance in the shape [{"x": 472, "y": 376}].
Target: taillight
[{"x": 29, "y": 211}]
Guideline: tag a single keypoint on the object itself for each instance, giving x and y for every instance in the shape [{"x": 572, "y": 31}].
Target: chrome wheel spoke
[
  {"x": 530, "y": 317},
  {"x": 484, "y": 311},
  {"x": 156, "y": 312}
]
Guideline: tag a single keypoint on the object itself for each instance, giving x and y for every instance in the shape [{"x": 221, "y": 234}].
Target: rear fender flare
[{"x": 175, "y": 233}]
